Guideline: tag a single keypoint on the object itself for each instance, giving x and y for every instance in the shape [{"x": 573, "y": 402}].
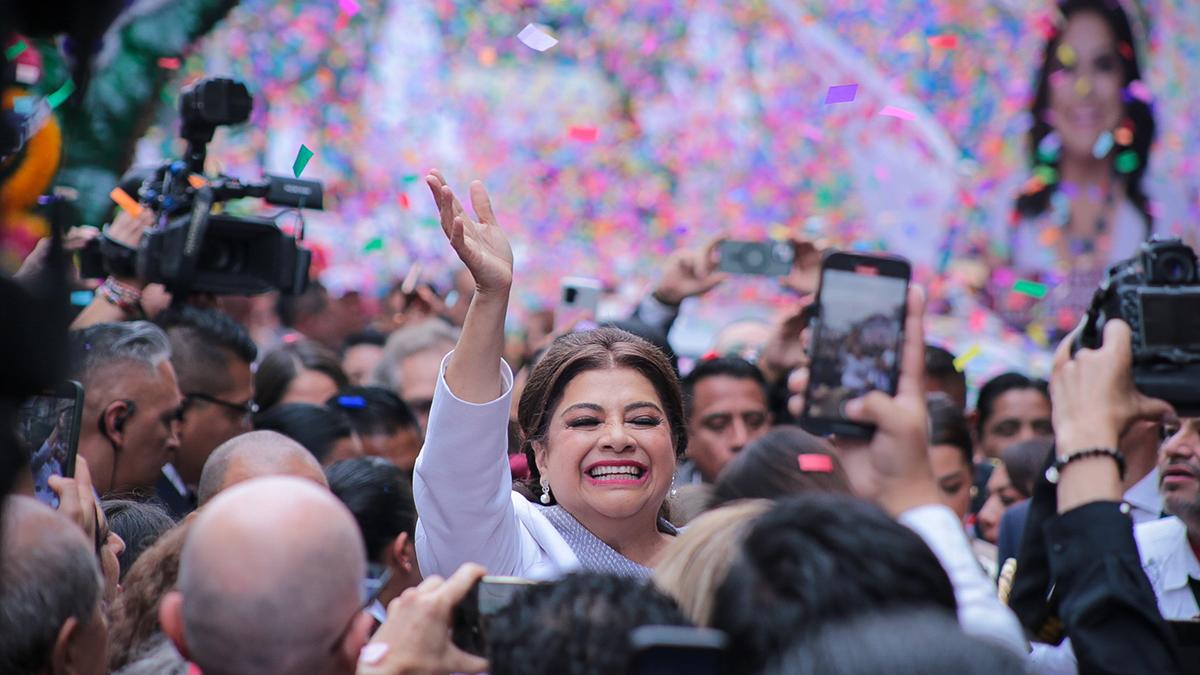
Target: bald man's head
[
  {"x": 50, "y": 589},
  {"x": 255, "y": 455},
  {"x": 269, "y": 582}
]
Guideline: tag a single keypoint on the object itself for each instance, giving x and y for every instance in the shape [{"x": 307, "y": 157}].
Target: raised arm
[{"x": 473, "y": 371}]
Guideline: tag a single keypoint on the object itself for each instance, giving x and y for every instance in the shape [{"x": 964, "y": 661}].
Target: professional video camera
[
  {"x": 193, "y": 249},
  {"x": 1158, "y": 294}
]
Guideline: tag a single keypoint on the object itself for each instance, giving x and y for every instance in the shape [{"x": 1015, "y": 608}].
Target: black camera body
[
  {"x": 194, "y": 249},
  {"x": 1158, "y": 294},
  {"x": 764, "y": 258}
]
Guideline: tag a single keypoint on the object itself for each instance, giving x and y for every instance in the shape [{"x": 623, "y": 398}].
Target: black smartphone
[
  {"x": 764, "y": 258},
  {"x": 677, "y": 650},
  {"x": 488, "y": 596},
  {"x": 48, "y": 426},
  {"x": 858, "y": 337}
]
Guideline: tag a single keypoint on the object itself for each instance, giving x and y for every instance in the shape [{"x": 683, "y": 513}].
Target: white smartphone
[{"x": 578, "y": 300}]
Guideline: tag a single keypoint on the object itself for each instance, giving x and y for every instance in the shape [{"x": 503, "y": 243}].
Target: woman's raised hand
[{"x": 481, "y": 245}]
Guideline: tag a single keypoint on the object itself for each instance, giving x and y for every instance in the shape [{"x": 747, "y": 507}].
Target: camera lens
[
  {"x": 753, "y": 258},
  {"x": 1175, "y": 268}
]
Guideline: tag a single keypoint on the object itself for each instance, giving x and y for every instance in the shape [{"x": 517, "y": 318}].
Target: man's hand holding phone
[
  {"x": 415, "y": 639},
  {"x": 898, "y": 450},
  {"x": 77, "y": 497}
]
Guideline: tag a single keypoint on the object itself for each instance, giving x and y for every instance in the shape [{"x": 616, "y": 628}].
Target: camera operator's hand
[
  {"x": 77, "y": 498},
  {"x": 689, "y": 273},
  {"x": 35, "y": 262},
  {"x": 415, "y": 639},
  {"x": 899, "y": 451},
  {"x": 1094, "y": 402},
  {"x": 126, "y": 229},
  {"x": 785, "y": 350}
]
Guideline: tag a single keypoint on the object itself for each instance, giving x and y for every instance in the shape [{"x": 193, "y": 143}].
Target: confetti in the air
[
  {"x": 534, "y": 37},
  {"x": 1033, "y": 289},
  {"x": 960, "y": 362},
  {"x": 898, "y": 113},
  {"x": 841, "y": 93},
  {"x": 302, "y": 158}
]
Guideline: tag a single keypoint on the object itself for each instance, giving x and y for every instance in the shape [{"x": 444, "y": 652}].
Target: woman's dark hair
[
  {"x": 135, "y": 615},
  {"x": 820, "y": 558},
  {"x": 373, "y": 410},
  {"x": 948, "y": 426},
  {"x": 1024, "y": 461},
  {"x": 315, "y": 427},
  {"x": 997, "y": 387},
  {"x": 1140, "y": 113},
  {"x": 281, "y": 365},
  {"x": 379, "y": 494},
  {"x": 769, "y": 467},
  {"x": 897, "y": 643},
  {"x": 138, "y": 524},
  {"x": 579, "y": 624},
  {"x": 599, "y": 349}
]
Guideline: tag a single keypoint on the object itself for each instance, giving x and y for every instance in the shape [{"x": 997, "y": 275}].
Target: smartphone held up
[
  {"x": 48, "y": 426},
  {"x": 858, "y": 334}
]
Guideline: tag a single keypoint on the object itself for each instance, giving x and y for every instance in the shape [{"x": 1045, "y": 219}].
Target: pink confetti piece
[
  {"x": 898, "y": 113},
  {"x": 349, "y": 7},
  {"x": 585, "y": 134},
  {"x": 169, "y": 63},
  {"x": 946, "y": 41},
  {"x": 816, "y": 463},
  {"x": 535, "y": 38},
  {"x": 841, "y": 93},
  {"x": 1140, "y": 91}
]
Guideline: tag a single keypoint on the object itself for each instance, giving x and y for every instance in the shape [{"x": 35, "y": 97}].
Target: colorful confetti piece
[
  {"x": 961, "y": 361},
  {"x": 15, "y": 50},
  {"x": 127, "y": 203},
  {"x": 946, "y": 41},
  {"x": 815, "y": 462},
  {"x": 535, "y": 38},
  {"x": 302, "y": 158},
  {"x": 349, "y": 7},
  {"x": 841, "y": 93},
  {"x": 899, "y": 113},
  {"x": 1104, "y": 143},
  {"x": 1031, "y": 288},
  {"x": 585, "y": 134},
  {"x": 60, "y": 95},
  {"x": 169, "y": 63}
]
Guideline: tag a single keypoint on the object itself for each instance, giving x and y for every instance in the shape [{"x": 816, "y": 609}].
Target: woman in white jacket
[{"x": 602, "y": 418}]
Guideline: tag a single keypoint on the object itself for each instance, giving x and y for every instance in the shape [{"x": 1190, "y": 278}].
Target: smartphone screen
[
  {"x": 48, "y": 425},
  {"x": 857, "y": 339}
]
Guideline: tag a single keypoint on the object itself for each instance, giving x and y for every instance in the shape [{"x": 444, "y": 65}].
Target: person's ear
[
  {"x": 356, "y": 638},
  {"x": 540, "y": 457},
  {"x": 170, "y": 617},
  {"x": 63, "y": 658},
  {"x": 402, "y": 554},
  {"x": 112, "y": 421}
]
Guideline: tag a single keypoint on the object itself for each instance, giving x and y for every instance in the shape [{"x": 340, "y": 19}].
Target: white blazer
[{"x": 462, "y": 486}]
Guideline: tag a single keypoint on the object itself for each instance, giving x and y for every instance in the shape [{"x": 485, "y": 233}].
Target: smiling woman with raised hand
[{"x": 602, "y": 422}]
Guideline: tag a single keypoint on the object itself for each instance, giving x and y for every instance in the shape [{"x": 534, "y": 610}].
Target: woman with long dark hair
[{"x": 1085, "y": 206}]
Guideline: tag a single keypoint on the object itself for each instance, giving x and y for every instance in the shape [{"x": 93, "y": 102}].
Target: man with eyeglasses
[
  {"x": 212, "y": 355},
  {"x": 130, "y": 420}
]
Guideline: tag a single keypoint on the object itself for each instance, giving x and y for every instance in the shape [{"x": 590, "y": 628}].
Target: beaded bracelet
[
  {"x": 1054, "y": 472},
  {"x": 124, "y": 297}
]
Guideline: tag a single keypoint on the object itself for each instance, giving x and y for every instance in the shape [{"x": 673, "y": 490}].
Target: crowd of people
[{"x": 309, "y": 488}]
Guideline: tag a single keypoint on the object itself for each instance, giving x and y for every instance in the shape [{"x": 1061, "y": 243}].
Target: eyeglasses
[{"x": 248, "y": 408}]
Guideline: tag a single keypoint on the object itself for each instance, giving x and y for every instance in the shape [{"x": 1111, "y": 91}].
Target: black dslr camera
[
  {"x": 193, "y": 249},
  {"x": 1158, "y": 294}
]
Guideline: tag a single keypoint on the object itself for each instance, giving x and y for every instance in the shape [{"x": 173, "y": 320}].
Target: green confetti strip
[
  {"x": 61, "y": 94},
  {"x": 1030, "y": 288},
  {"x": 302, "y": 158},
  {"x": 1047, "y": 174},
  {"x": 430, "y": 222},
  {"x": 375, "y": 244},
  {"x": 15, "y": 50},
  {"x": 411, "y": 178}
]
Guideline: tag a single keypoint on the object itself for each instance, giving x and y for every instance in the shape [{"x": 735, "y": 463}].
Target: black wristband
[{"x": 1053, "y": 473}]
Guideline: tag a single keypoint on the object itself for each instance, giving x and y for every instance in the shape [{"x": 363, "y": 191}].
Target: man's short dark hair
[
  {"x": 948, "y": 425},
  {"x": 315, "y": 427},
  {"x": 379, "y": 494},
  {"x": 728, "y": 366},
  {"x": 368, "y": 336},
  {"x": 373, "y": 410},
  {"x": 939, "y": 363},
  {"x": 579, "y": 624},
  {"x": 896, "y": 643},
  {"x": 292, "y": 308},
  {"x": 202, "y": 341},
  {"x": 997, "y": 387},
  {"x": 819, "y": 558}
]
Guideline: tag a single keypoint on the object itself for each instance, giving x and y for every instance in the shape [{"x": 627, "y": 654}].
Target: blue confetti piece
[{"x": 352, "y": 402}]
